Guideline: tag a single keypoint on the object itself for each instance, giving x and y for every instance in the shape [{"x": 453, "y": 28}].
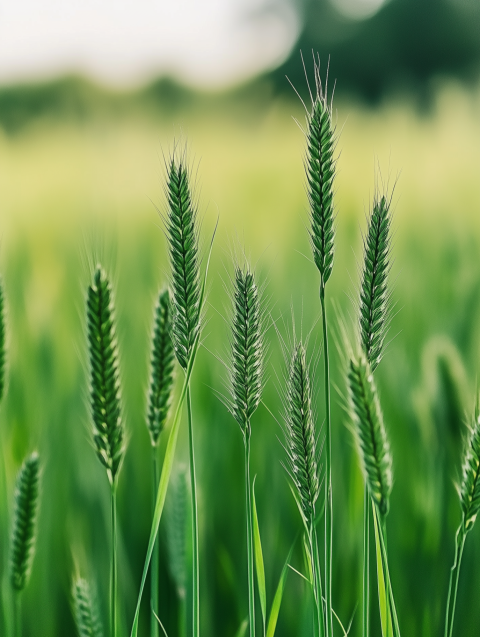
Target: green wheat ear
[
  {"x": 300, "y": 438},
  {"x": 104, "y": 382},
  {"x": 2, "y": 341},
  {"x": 370, "y": 429},
  {"x": 24, "y": 532},
  {"x": 86, "y": 616},
  {"x": 374, "y": 297},
  {"x": 182, "y": 232},
  {"x": 247, "y": 350},
  {"x": 470, "y": 486},
  {"x": 162, "y": 364},
  {"x": 320, "y": 169}
]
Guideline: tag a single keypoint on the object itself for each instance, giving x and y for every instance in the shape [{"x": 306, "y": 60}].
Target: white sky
[{"x": 204, "y": 42}]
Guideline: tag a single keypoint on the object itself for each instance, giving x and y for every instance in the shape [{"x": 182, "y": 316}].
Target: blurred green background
[{"x": 81, "y": 179}]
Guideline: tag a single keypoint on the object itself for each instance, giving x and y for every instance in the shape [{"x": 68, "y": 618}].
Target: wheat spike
[
  {"x": 470, "y": 486},
  {"x": 320, "y": 169},
  {"x": 162, "y": 365},
  {"x": 27, "y": 496},
  {"x": 300, "y": 439},
  {"x": 104, "y": 384},
  {"x": 183, "y": 246},
  {"x": 370, "y": 430},
  {"x": 86, "y": 616},
  {"x": 374, "y": 297}
]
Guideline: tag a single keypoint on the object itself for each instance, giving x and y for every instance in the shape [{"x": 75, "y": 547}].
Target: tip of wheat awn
[
  {"x": 320, "y": 169},
  {"x": 374, "y": 297},
  {"x": 300, "y": 437},
  {"x": 370, "y": 430},
  {"x": 104, "y": 380},
  {"x": 182, "y": 233},
  {"x": 247, "y": 349},
  {"x": 162, "y": 365},
  {"x": 27, "y": 495}
]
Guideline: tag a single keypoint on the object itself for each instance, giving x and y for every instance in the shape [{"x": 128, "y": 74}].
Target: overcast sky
[{"x": 204, "y": 42}]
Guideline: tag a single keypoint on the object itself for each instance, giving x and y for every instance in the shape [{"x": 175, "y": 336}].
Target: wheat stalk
[
  {"x": 182, "y": 233},
  {"x": 86, "y": 615},
  {"x": 108, "y": 429},
  {"x": 374, "y": 297},
  {"x": 320, "y": 169}
]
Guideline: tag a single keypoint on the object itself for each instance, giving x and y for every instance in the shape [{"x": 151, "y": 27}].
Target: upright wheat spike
[
  {"x": 320, "y": 169},
  {"x": 374, "y": 297},
  {"x": 86, "y": 616},
  {"x": 2, "y": 342},
  {"x": 108, "y": 430},
  {"x": 469, "y": 493},
  {"x": 302, "y": 459},
  {"x": 182, "y": 233},
  {"x": 24, "y": 532},
  {"x": 159, "y": 398},
  {"x": 371, "y": 434},
  {"x": 246, "y": 380},
  {"x": 162, "y": 364}
]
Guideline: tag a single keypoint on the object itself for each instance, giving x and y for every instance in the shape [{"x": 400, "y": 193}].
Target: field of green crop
[{"x": 74, "y": 194}]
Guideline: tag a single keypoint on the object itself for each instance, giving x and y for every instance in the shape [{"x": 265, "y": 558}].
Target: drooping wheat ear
[
  {"x": 27, "y": 496},
  {"x": 247, "y": 349},
  {"x": 470, "y": 487},
  {"x": 176, "y": 527},
  {"x": 2, "y": 341},
  {"x": 320, "y": 169},
  {"x": 300, "y": 438},
  {"x": 371, "y": 434},
  {"x": 162, "y": 364},
  {"x": 183, "y": 245},
  {"x": 104, "y": 383},
  {"x": 374, "y": 297},
  {"x": 86, "y": 615}
]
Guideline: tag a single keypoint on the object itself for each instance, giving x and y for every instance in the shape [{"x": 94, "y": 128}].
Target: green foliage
[
  {"x": 86, "y": 614},
  {"x": 182, "y": 235},
  {"x": 320, "y": 168},
  {"x": 24, "y": 534},
  {"x": 104, "y": 379},
  {"x": 162, "y": 365},
  {"x": 374, "y": 297},
  {"x": 247, "y": 350},
  {"x": 300, "y": 437},
  {"x": 370, "y": 431}
]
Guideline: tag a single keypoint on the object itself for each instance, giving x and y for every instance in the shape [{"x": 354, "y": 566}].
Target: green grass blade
[
  {"x": 391, "y": 601},
  {"x": 242, "y": 631},
  {"x": 259, "y": 565},
  {"x": 385, "y": 617},
  {"x": 277, "y": 600}
]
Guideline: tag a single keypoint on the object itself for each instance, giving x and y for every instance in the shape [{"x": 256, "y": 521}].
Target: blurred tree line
[{"x": 403, "y": 45}]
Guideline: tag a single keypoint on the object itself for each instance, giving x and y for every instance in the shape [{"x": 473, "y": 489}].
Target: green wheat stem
[
  {"x": 248, "y": 507},
  {"x": 328, "y": 477},
  {"x": 193, "y": 491},
  {"x": 318, "y": 594},
  {"x": 454, "y": 578},
  {"x": 113, "y": 562},
  {"x": 154, "y": 628},
  {"x": 366, "y": 564}
]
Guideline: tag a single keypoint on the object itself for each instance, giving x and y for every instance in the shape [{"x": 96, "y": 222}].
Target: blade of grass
[
  {"x": 242, "y": 631},
  {"x": 277, "y": 600},
  {"x": 259, "y": 565},
  {"x": 385, "y": 617}
]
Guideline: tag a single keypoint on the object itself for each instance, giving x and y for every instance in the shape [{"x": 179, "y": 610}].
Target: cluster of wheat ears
[{"x": 178, "y": 321}]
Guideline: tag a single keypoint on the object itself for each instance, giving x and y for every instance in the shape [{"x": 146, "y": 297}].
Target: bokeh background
[{"x": 92, "y": 99}]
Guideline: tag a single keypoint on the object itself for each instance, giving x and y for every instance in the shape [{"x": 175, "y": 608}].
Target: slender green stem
[
  {"x": 154, "y": 571},
  {"x": 366, "y": 564},
  {"x": 17, "y": 600},
  {"x": 328, "y": 477},
  {"x": 195, "y": 571},
  {"x": 380, "y": 521},
  {"x": 248, "y": 507},
  {"x": 454, "y": 576},
  {"x": 113, "y": 564},
  {"x": 317, "y": 578}
]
